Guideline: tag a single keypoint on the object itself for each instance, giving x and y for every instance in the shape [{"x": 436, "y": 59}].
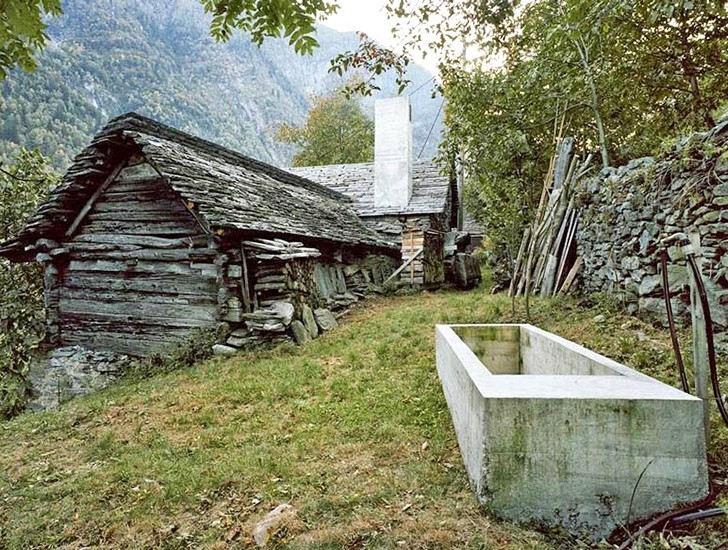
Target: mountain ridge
[{"x": 156, "y": 57}]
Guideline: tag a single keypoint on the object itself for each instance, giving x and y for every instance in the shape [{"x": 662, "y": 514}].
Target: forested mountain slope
[{"x": 157, "y": 58}]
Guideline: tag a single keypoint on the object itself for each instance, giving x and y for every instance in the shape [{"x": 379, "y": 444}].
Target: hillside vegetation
[
  {"x": 352, "y": 430},
  {"x": 156, "y": 57}
]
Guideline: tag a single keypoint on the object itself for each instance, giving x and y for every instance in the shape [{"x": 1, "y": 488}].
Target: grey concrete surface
[{"x": 559, "y": 435}]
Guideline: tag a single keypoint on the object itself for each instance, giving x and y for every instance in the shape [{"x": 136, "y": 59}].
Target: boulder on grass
[
  {"x": 309, "y": 321},
  {"x": 300, "y": 333},
  {"x": 325, "y": 319}
]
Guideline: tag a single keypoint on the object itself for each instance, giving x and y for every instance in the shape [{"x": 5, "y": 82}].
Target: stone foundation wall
[
  {"x": 626, "y": 211},
  {"x": 68, "y": 372}
]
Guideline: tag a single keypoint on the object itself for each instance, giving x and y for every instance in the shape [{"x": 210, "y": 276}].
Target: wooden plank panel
[
  {"x": 155, "y": 203},
  {"x": 174, "y": 228},
  {"x": 118, "y": 330},
  {"x": 137, "y": 310},
  {"x": 145, "y": 283},
  {"x": 147, "y": 185},
  {"x": 111, "y": 296},
  {"x": 208, "y": 271},
  {"x": 138, "y": 172},
  {"x": 179, "y": 322},
  {"x": 183, "y": 255},
  {"x": 138, "y": 215},
  {"x": 121, "y": 198},
  {"x": 149, "y": 242}
]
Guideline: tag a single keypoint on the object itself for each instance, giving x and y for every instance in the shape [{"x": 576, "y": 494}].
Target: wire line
[{"x": 429, "y": 134}]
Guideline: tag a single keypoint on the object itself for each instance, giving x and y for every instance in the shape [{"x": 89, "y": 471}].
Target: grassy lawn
[{"x": 352, "y": 430}]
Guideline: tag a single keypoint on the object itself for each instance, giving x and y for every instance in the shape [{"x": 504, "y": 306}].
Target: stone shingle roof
[
  {"x": 228, "y": 189},
  {"x": 430, "y": 189}
]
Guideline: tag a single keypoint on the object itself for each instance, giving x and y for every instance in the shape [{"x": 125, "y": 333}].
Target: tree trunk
[{"x": 584, "y": 56}]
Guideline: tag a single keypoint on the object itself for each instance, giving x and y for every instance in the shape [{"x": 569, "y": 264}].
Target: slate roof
[
  {"x": 430, "y": 189},
  {"x": 229, "y": 190}
]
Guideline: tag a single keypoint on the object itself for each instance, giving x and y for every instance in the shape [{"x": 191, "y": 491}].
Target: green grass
[{"x": 352, "y": 430}]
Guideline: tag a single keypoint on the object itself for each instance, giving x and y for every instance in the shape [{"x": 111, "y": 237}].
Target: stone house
[
  {"x": 405, "y": 200},
  {"x": 154, "y": 234}
]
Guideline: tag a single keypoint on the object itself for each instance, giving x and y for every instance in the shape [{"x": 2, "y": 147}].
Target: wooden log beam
[
  {"x": 94, "y": 197},
  {"x": 403, "y": 266}
]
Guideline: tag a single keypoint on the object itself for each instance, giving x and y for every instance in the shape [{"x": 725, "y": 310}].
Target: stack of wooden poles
[{"x": 547, "y": 263}]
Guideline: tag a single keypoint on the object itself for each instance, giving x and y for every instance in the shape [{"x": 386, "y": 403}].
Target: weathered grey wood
[
  {"x": 563, "y": 161},
  {"x": 89, "y": 204},
  {"x": 119, "y": 329},
  {"x": 130, "y": 189},
  {"x": 401, "y": 268},
  {"x": 245, "y": 283},
  {"x": 51, "y": 295},
  {"x": 190, "y": 254},
  {"x": 573, "y": 272},
  {"x": 134, "y": 310},
  {"x": 140, "y": 282},
  {"x": 161, "y": 228},
  {"x": 567, "y": 246},
  {"x": 140, "y": 240},
  {"x": 121, "y": 267},
  {"x": 120, "y": 198},
  {"x": 137, "y": 215},
  {"x": 140, "y": 172},
  {"x": 124, "y": 296},
  {"x": 158, "y": 204}
]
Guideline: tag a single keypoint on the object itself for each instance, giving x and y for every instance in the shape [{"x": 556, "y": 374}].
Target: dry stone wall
[{"x": 627, "y": 210}]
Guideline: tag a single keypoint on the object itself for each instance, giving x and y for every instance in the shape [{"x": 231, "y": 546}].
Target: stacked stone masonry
[{"x": 628, "y": 210}]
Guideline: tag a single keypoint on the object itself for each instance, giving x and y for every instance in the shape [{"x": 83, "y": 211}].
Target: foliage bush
[
  {"x": 336, "y": 132},
  {"x": 196, "y": 348},
  {"x": 23, "y": 184}
]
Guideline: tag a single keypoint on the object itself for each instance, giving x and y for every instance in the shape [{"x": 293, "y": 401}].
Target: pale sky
[{"x": 370, "y": 17}]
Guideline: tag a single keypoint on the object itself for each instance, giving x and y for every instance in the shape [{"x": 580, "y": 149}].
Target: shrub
[{"x": 23, "y": 184}]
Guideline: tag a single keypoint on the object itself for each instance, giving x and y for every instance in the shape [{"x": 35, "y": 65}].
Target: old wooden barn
[{"x": 155, "y": 233}]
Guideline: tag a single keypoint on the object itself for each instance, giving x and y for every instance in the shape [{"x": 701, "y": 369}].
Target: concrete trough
[{"x": 554, "y": 434}]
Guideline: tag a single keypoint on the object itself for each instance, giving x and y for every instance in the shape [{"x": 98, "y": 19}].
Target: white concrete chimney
[{"x": 392, "y": 152}]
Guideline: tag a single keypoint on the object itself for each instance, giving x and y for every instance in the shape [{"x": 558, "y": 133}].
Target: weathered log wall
[{"x": 140, "y": 274}]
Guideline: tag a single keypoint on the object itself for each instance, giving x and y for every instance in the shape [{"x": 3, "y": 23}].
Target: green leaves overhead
[
  {"x": 22, "y": 25},
  {"x": 620, "y": 76},
  {"x": 292, "y": 19},
  {"x": 22, "y": 31},
  {"x": 372, "y": 59}
]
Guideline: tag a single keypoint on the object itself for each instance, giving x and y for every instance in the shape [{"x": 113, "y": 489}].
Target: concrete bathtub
[{"x": 555, "y": 434}]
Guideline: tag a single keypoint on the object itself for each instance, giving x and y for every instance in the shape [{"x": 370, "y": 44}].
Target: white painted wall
[{"x": 392, "y": 152}]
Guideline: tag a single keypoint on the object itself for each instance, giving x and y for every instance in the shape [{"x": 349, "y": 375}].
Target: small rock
[
  {"x": 599, "y": 319},
  {"x": 272, "y": 523},
  {"x": 300, "y": 333},
  {"x": 284, "y": 310},
  {"x": 325, "y": 319},
  {"x": 642, "y": 337},
  {"x": 223, "y": 350},
  {"x": 309, "y": 321},
  {"x": 650, "y": 284},
  {"x": 630, "y": 263},
  {"x": 720, "y": 190}
]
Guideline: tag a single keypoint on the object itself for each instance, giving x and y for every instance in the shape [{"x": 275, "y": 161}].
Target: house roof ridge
[{"x": 132, "y": 121}]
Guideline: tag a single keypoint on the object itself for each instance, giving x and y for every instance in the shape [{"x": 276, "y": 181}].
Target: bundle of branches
[{"x": 547, "y": 263}]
